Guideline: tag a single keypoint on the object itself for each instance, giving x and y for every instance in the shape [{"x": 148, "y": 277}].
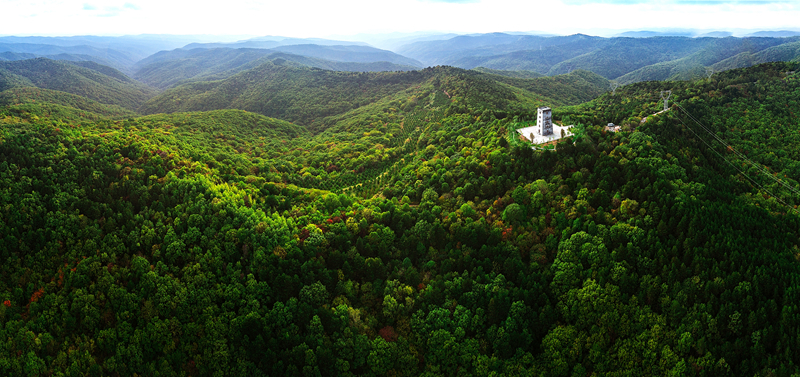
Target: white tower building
[{"x": 545, "y": 121}]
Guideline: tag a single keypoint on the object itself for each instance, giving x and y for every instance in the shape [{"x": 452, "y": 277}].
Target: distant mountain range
[
  {"x": 705, "y": 33},
  {"x": 164, "y": 61},
  {"x": 776, "y": 34},
  {"x": 272, "y": 42},
  {"x": 168, "y": 68},
  {"x": 118, "y": 52},
  {"x": 129, "y": 54},
  {"x": 624, "y": 59}
]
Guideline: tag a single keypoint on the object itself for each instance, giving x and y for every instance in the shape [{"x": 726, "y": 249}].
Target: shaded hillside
[
  {"x": 515, "y": 74},
  {"x": 693, "y": 66},
  {"x": 344, "y": 52},
  {"x": 358, "y": 54},
  {"x": 438, "y": 52},
  {"x": 166, "y": 68},
  {"x": 540, "y": 60},
  {"x": 474, "y": 49},
  {"x": 27, "y": 95},
  {"x": 170, "y": 68},
  {"x": 10, "y": 80},
  {"x": 10, "y": 56},
  {"x": 119, "y": 59},
  {"x": 78, "y": 59},
  {"x": 570, "y": 89},
  {"x": 623, "y": 55},
  {"x": 104, "y": 69},
  {"x": 92, "y": 83},
  {"x": 297, "y": 94},
  {"x": 784, "y": 52},
  {"x": 306, "y": 96},
  {"x": 222, "y": 138}
]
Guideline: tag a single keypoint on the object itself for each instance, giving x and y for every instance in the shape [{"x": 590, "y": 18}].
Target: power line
[
  {"x": 759, "y": 167},
  {"x": 760, "y": 186}
]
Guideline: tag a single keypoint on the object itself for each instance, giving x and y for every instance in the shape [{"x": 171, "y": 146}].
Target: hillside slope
[
  {"x": 170, "y": 68},
  {"x": 540, "y": 60},
  {"x": 32, "y": 95},
  {"x": 357, "y": 54},
  {"x": 516, "y": 74},
  {"x": 693, "y": 66},
  {"x": 99, "y": 83},
  {"x": 453, "y": 50},
  {"x": 570, "y": 89},
  {"x": 307, "y": 96},
  {"x": 784, "y": 52},
  {"x": 300, "y": 95},
  {"x": 118, "y": 59}
]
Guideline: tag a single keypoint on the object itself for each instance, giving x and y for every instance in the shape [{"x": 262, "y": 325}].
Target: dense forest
[
  {"x": 394, "y": 224},
  {"x": 315, "y": 97},
  {"x": 87, "y": 79}
]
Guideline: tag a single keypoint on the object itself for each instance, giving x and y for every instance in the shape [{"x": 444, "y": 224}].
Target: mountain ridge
[
  {"x": 87, "y": 79},
  {"x": 171, "y": 68}
]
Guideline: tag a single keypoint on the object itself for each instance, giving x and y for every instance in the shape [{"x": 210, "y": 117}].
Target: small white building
[{"x": 544, "y": 131}]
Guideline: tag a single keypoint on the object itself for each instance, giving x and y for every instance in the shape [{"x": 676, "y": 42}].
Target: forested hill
[
  {"x": 308, "y": 96},
  {"x": 169, "y": 68},
  {"x": 784, "y": 52},
  {"x": 722, "y": 55},
  {"x": 569, "y": 89},
  {"x": 32, "y": 97},
  {"x": 91, "y": 80},
  {"x": 298, "y": 94}
]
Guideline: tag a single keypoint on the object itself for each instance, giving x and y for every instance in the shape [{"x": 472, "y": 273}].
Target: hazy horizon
[{"x": 240, "y": 19}]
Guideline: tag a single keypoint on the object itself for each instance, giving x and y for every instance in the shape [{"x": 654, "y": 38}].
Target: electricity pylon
[{"x": 666, "y": 100}]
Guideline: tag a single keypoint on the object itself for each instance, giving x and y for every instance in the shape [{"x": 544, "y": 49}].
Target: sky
[{"x": 326, "y": 18}]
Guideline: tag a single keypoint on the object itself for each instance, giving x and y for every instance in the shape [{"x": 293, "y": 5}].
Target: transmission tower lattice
[{"x": 666, "y": 99}]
